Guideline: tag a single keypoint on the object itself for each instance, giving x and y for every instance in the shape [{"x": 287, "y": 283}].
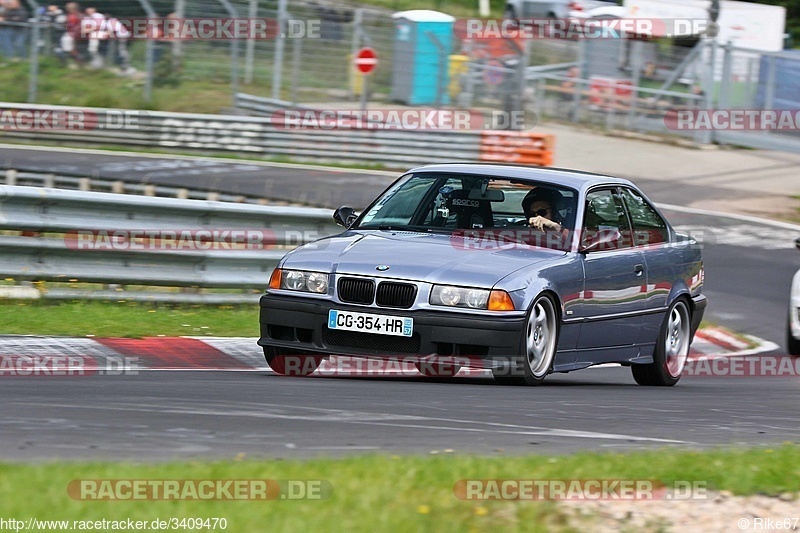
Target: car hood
[{"x": 431, "y": 257}]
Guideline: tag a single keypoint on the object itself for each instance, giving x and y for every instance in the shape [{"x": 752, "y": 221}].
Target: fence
[
  {"x": 624, "y": 84},
  {"x": 40, "y": 228},
  {"x": 257, "y": 136}
]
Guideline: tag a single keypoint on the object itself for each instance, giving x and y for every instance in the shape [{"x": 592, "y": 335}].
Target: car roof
[{"x": 574, "y": 179}]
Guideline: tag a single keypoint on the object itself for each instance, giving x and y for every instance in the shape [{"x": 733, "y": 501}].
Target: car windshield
[{"x": 438, "y": 202}]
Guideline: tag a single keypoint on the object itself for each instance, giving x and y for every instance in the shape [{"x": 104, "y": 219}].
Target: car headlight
[
  {"x": 299, "y": 280},
  {"x": 470, "y": 298}
]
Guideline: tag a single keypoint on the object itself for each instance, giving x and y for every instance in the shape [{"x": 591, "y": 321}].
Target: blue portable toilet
[
  {"x": 786, "y": 92},
  {"x": 423, "y": 41}
]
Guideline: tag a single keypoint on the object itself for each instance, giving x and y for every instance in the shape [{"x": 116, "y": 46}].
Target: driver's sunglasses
[{"x": 540, "y": 212}]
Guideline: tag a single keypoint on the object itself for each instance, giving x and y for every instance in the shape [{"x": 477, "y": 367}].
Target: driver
[{"x": 539, "y": 206}]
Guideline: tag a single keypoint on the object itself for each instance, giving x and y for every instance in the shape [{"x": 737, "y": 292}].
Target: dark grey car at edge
[{"x": 443, "y": 267}]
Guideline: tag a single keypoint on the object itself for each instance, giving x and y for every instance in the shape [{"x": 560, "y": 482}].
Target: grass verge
[
  {"x": 379, "y": 493},
  {"x": 126, "y": 319}
]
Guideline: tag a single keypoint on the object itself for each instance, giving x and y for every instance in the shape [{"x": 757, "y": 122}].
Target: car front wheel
[
  {"x": 672, "y": 349},
  {"x": 288, "y": 362},
  {"x": 538, "y": 347}
]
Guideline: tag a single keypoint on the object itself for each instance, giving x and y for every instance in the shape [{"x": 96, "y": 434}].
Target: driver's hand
[{"x": 540, "y": 223}]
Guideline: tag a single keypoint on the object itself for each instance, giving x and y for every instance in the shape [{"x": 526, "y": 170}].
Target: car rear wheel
[
  {"x": 538, "y": 347},
  {"x": 792, "y": 344},
  {"x": 288, "y": 362},
  {"x": 671, "y": 351}
]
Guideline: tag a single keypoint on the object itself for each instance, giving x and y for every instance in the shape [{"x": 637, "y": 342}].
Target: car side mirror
[
  {"x": 345, "y": 216},
  {"x": 602, "y": 240}
]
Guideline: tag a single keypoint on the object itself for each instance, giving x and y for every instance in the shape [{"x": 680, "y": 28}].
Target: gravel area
[{"x": 725, "y": 512}]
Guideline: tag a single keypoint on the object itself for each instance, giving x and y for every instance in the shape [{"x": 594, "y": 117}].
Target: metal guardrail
[
  {"x": 51, "y": 180},
  {"x": 40, "y": 225},
  {"x": 251, "y": 135}
]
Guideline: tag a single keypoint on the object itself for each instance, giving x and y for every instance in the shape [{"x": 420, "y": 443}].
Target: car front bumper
[{"x": 301, "y": 324}]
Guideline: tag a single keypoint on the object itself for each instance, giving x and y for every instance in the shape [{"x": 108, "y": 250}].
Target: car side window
[
  {"x": 604, "y": 215},
  {"x": 648, "y": 226}
]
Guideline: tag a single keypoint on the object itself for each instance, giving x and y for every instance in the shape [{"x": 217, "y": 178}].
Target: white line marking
[
  {"x": 371, "y": 419},
  {"x": 743, "y": 218}
]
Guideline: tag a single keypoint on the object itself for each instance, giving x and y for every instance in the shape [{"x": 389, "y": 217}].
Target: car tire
[
  {"x": 538, "y": 346},
  {"x": 436, "y": 369},
  {"x": 299, "y": 364},
  {"x": 671, "y": 351},
  {"x": 792, "y": 344}
]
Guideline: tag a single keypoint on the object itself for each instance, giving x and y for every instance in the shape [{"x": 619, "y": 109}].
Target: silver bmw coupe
[{"x": 524, "y": 271}]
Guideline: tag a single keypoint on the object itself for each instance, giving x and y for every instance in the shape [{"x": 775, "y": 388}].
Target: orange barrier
[{"x": 517, "y": 147}]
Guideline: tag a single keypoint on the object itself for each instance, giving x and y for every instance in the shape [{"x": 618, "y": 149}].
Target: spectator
[
  {"x": 121, "y": 35},
  {"x": 72, "y": 42},
  {"x": 13, "y": 35},
  {"x": 97, "y": 44},
  {"x": 3, "y": 28},
  {"x": 568, "y": 86},
  {"x": 52, "y": 20}
]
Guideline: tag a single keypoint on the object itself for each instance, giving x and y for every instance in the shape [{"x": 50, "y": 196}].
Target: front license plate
[{"x": 369, "y": 323}]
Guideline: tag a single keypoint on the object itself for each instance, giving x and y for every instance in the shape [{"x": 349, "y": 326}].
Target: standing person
[
  {"x": 52, "y": 19},
  {"x": 15, "y": 32},
  {"x": 120, "y": 34},
  {"x": 3, "y": 30},
  {"x": 72, "y": 34},
  {"x": 97, "y": 43}
]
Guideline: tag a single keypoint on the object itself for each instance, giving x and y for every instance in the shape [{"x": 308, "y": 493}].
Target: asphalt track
[
  {"x": 324, "y": 187},
  {"x": 162, "y": 415}
]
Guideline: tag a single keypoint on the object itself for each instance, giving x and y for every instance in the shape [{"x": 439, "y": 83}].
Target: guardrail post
[
  {"x": 277, "y": 65},
  {"x": 85, "y": 184},
  {"x": 11, "y": 177},
  {"x": 636, "y": 51},
  {"x": 33, "y": 75},
  {"x": 49, "y": 181},
  {"x": 727, "y": 64},
  {"x": 297, "y": 56},
  {"x": 250, "y": 47},
  {"x": 707, "y": 137},
  {"x": 118, "y": 187}
]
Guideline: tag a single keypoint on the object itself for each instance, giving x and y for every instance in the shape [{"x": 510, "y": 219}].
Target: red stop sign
[{"x": 366, "y": 60}]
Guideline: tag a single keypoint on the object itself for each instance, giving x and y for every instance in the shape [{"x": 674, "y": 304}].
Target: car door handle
[{"x": 638, "y": 269}]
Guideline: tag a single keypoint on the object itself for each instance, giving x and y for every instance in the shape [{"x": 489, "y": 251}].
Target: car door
[
  {"x": 614, "y": 294},
  {"x": 651, "y": 235}
]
